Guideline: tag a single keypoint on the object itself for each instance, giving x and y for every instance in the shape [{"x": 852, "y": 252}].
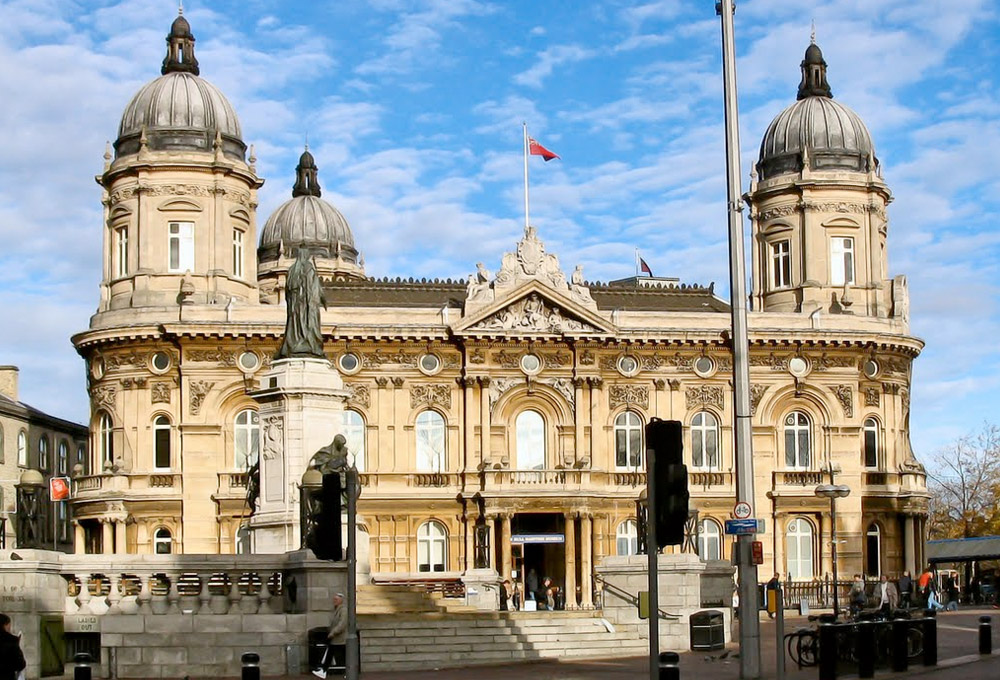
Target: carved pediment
[{"x": 535, "y": 309}]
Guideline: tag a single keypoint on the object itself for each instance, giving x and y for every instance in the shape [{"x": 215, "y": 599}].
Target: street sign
[
  {"x": 742, "y": 510},
  {"x": 741, "y": 527},
  {"x": 537, "y": 538},
  {"x": 757, "y": 551},
  {"x": 59, "y": 488}
]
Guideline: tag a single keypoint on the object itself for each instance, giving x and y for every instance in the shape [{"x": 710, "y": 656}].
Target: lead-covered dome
[
  {"x": 816, "y": 130},
  {"x": 179, "y": 110},
  {"x": 307, "y": 221}
]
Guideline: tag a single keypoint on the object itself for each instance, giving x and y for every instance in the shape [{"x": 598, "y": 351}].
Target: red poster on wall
[{"x": 59, "y": 488}]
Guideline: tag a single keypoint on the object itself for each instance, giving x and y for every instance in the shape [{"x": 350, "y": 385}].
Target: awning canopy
[{"x": 963, "y": 549}]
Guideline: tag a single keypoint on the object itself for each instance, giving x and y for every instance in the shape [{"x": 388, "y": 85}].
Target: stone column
[
  {"x": 505, "y": 551},
  {"x": 491, "y": 523},
  {"x": 570, "y": 582},
  {"x": 107, "y": 537},
  {"x": 470, "y": 531},
  {"x": 484, "y": 418},
  {"x": 826, "y": 544},
  {"x": 778, "y": 544},
  {"x": 586, "y": 561},
  {"x": 120, "y": 546},
  {"x": 80, "y": 538},
  {"x": 909, "y": 545}
]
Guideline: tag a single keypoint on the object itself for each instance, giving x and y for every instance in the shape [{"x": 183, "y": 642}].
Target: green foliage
[{"x": 965, "y": 486}]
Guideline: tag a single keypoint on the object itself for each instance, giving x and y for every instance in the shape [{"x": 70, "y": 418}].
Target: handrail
[{"x": 633, "y": 599}]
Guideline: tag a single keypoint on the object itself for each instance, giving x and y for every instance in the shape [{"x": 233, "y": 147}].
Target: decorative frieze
[
  {"x": 557, "y": 359},
  {"x": 637, "y": 395},
  {"x": 124, "y": 359},
  {"x": 826, "y": 361},
  {"x": 199, "y": 389},
  {"x": 704, "y": 395},
  {"x": 435, "y": 394},
  {"x": 477, "y": 356},
  {"x": 379, "y": 358},
  {"x": 778, "y": 211},
  {"x": 773, "y": 361},
  {"x": 104, "y": 396},
  {"x": 844, "y": 207},
  {"x": 218, "y": 355},
  {"x": 273, "y": 428},
  {"x": 160, "y": 393},
  {"x": 587, "y": 358},
  {"x": 506, "y": 359},
  {"x": 532, "y": 313},
  {"x": 872, "y": 396},
  {"x": 756, "y": 394},
  {"x": 359, "y": 394},
  {"x": 845, "y": 395}
]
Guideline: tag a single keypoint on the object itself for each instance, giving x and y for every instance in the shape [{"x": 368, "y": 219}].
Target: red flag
[
  {"x": 644, "y": 268},
  {"x": 536, "y": 149}
]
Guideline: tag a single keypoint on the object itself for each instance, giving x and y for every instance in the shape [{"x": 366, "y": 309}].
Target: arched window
[
  {"x": 43, "y": 453},
  {"x": 246, "y": 439},
  {"x": 871, "y": 442},
  {"x": 163, "y": 542},
  {"x": 709, "y": 540},
  {"x": 354, "y": 432},
  {"x": 628, "y": 440},
  {"x": 705, "y": 441},
  {"x": 627, "y": 538},
  {"x": 873, "y": 550},
  {"x": 432, "y": 546},
  {"x": 22, "y": 448},
  {"x": 530, "y": 434},
  {"x": 798, "y": 441},
  {"x": 81, "y": 457},
  {"x": 106, "y": 441},
  {"x": 161, "y": 443},
  {"x": 431, "y": 452},
  {"x": 799, "y": 550},
  {"x": 62, "y": 460}
]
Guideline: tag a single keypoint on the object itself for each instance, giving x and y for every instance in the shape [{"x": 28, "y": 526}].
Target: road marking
[{"x": 946, "y": 627}]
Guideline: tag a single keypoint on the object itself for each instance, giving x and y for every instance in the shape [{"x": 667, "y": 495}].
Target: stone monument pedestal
[{"x": 301, "y": 410}]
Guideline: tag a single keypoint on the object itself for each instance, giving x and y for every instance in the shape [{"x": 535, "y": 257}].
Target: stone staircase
[
  {"x": 399, "y": 599},
  {"x": 398, "y": 642}
]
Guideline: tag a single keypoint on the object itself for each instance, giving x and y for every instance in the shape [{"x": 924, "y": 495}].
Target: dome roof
[
  {"x": 307, "y": 221},
  {"x": 179, "y": 110},
  {"x": 816, "y": 129}
]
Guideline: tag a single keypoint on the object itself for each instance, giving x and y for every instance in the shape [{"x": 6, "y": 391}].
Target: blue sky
[{"x": 413, "y": 112}]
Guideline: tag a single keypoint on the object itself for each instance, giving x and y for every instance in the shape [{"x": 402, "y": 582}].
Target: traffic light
[
  {"x": 664, "y": 444},
  {"x": 324, "y": 535}
]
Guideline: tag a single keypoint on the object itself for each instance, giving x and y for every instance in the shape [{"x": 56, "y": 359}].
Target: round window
[
  {"x": 870, "y": 368},
  {"x": 798, "y": 366},
  {"x": 349, "y": 362},
  {"x": 161, "y": 361},
  {"x": 531, "y": 363},
  {"x": 249, "y": 361},
  {"x": 628, "y": 365},
  {"x": 703, "y": 365},
  {"x": 429, "y": 363},
  {"x": 97, "y": 368}
]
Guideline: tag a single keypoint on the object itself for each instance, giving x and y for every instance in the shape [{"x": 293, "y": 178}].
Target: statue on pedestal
[{"x": 303, "y": 296}]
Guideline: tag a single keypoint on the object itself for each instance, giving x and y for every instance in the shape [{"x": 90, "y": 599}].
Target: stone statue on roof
[{"x": 303, "y": 297}]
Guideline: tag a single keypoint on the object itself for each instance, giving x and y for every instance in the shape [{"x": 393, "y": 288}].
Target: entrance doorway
[{"x": 539, "y": 550}]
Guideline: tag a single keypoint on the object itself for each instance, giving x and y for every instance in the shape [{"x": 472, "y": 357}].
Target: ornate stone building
[{"x": 497, "y": 421}]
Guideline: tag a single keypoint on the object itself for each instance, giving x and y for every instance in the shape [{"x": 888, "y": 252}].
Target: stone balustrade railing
[{"x": 157, "y": 482}]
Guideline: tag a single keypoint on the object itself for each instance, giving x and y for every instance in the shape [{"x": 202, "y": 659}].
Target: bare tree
[{"x": 965, "y": 486}]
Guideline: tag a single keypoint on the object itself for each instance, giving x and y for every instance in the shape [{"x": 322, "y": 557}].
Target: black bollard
[
  {"x": 930, "y": 641},
  {"x": 251, "y": 666},
  {"x": 900, "y": 658},
  {"x": 669, "y": 666},
  {"x": 84, "y": 666},
  {"x": 865, "y": 649},
  {"x": 985, "y": 635},
  {"x": 828, "y": 652}
]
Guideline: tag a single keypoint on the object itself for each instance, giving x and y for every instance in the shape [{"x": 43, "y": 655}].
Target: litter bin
[
  {"x": 708, "y": 630},
  {"x": 317, "y": 646}
]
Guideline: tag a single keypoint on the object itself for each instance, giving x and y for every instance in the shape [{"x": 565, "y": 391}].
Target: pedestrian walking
[
  {"x": 336, "y": 639},
  {"x": 857, "y": 597},
  {"x": 770, "y": 591},
  {"x": 11, "y": 656},
  {"x": 905, "y": 586},
  {"x": 888, "y": 596},
  {"x": 926, "y": 583}
]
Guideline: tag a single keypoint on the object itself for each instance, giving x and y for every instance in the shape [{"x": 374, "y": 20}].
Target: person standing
[
  {"x": 888, "y": 596},
  {"x": 926, "y": 583},
  {"x": 532, "y": 584},
  {"x": 336, "y": 638},
  {"x": 771, "y": 591},
  {"x": 11, "y": 656},
  {"x": 505, "y": 596},
  {"x": 857, "y": 596},
  {"x": 905, "y": 590}
]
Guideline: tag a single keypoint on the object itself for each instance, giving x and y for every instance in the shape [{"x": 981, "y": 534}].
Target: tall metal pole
[
  {"x": 749, "y": 622},
  {"x": 653, "y": 571},
  {"x": 353, "y": 656},
  {"x": 833, "y": 551}
]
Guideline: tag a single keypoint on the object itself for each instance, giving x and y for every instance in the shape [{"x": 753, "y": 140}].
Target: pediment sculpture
[{"x": 533, "y": 313}]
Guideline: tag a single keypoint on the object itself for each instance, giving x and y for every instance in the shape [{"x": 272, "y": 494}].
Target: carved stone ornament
[
  {"x": 382, "y": 381},
  {"x": 825, "y": 361},
  {"x": 506, "y": 359},
  {"x": 274, "y": 437},
  {"x": 628, "y": 394},
  {"x": 704, "y": 395},
  {"x": 586, "y": 358},
  {"x": 557, "y": 359},
  {"x": 563, "y": 386},
  {"x": 438, "y": 394},
  {"x": 845, "y": 395},
  {"x": 451, "y": 360},
  {"x": 124, "y": 359},
  {"x": 872, "y": 396},
  {"x": 199, "y": 388},
  {"x": 844, "y": 207},
  {"x": 477, "y": 356},
  {"x": 359, "y": 393},
  {"x": 221, "y": 356},
  {"x": 756, "y": 394},
  {"x": 774, "y": 361},
  {"x": 778, "y": 211},
  {"x": 104, "y": 396},
  {"x": 891, "y": 365},
  {"x": 160, "y": 393},
  {"x": 500, "y": 386},
  {"x": 380, "y": 358},
  {"x": 532, "y": 313}
]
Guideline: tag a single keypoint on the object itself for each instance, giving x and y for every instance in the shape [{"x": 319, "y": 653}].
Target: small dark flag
[{"x": 644, "y": 268}]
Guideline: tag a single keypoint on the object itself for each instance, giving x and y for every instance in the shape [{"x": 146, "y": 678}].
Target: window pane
[
  {"x": 162, "y": 443},
  {"x": 871, "y": 449},
  {"x": 804, "y": 448},
  {"x": 790, "y": 447},
  {"x": 711, "y": 449},
  {"x": 621, "y": 447},
  {"x": 530, "y": 436},
  {"x": 430, "y": 442},
  {"x": 697, "y": 448},
  {"x": 635, "y": 448}
]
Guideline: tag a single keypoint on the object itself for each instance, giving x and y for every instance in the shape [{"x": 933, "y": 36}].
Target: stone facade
[{"x": 497, "y": 421}]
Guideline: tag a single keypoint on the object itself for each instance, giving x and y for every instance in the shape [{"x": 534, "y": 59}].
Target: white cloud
[{"x": 548, "y": 60}]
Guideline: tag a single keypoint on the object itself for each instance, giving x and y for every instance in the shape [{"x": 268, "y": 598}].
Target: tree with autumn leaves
[{"x": 964, "y": 481}]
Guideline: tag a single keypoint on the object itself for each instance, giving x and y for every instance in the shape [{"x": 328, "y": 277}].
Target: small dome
[
  {"x": 179, "y": 110},
  {"x": 307, "y": 221},
  {"x": 815, "y": 129}
]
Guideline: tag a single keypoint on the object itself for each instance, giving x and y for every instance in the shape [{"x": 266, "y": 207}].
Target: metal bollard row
[
  {"x": 84, "y": 666},
  {"x": 669, "y": 666},
  {"x": 251, "y": 666},
  {"x": 985, "y": 635}
]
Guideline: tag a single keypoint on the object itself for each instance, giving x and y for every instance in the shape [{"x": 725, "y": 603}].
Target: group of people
[
  {"x": 545, "y": 595},
  {"x": 905, "y": 593}
]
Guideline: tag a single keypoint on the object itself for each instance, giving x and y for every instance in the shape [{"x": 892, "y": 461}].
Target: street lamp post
[{"x": 833, "y": 492}]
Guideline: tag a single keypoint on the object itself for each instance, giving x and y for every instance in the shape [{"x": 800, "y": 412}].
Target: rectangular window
[
  {"x": 180, "y": 246},
  {"x": 238, "y": 253},
  {"x": 781, "y": 263},
  {"x": 161, "y": 448},
  {"x": 871, "y": 448},
  {"x": 63, "y": 522},
  {"x": 121, "y": 252},
  {"x": 841, "y": 261}
]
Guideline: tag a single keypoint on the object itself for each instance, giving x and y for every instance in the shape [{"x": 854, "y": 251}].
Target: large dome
[
  {"x": 307, "y": 221},
  {"x": 816, "y": 130},
  {"x": 179, "y": 110}
]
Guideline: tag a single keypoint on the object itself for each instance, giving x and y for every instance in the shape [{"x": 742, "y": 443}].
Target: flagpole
[
  {"x": 637, "y": 263},
  {"x": 524, "y": 125}
]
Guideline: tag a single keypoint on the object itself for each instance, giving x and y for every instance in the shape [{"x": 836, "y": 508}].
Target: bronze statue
[
  {"x": 303, "y": 296},
  {"x": 332, "y": 457}
]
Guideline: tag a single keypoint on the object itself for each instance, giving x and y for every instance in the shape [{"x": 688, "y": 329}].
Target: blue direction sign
[{"x": 748, "y": 526}]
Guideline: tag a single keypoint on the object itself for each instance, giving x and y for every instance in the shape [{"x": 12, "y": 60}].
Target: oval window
[
  {"x": 349, "y": 362},
  {"x": 531, "y": 363},
  {"x": 249, "y": 361},
  {"x": 628, "y": 365},
  {"x": 161, "y": 361},
  {"x": 429, "y": 363}
]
